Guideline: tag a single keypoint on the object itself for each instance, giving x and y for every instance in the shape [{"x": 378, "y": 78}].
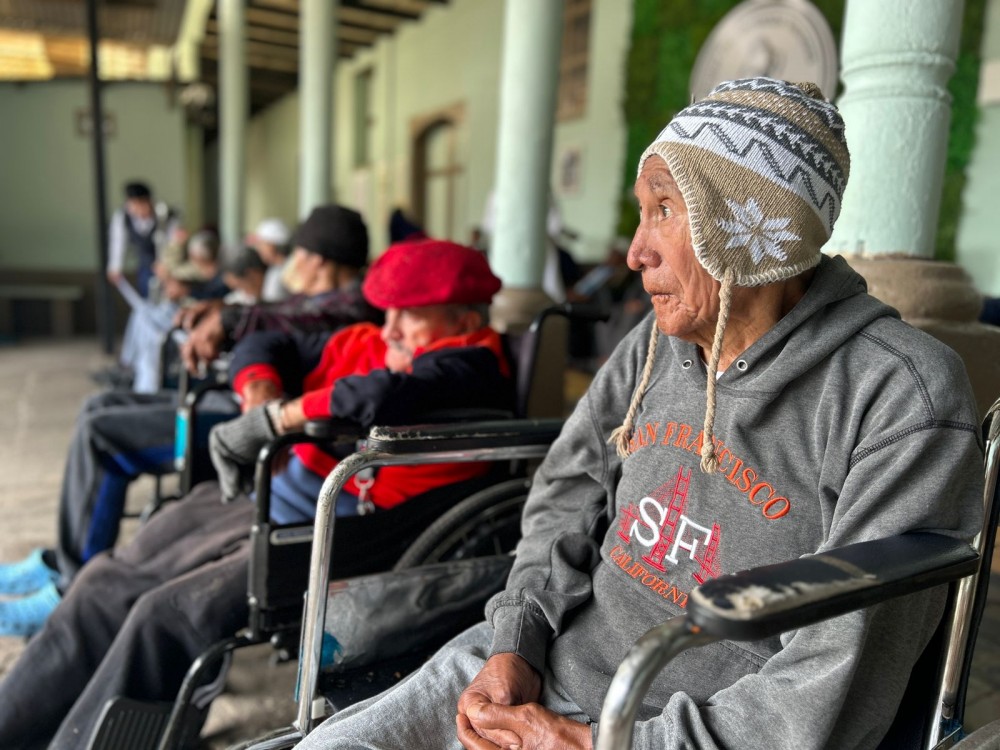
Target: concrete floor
[{"x": 41, "y": 387}]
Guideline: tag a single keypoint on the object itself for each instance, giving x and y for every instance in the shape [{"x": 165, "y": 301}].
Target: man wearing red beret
[{"x": 134, "y": 621}]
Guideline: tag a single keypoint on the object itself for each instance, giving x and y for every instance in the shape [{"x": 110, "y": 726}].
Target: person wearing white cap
[
  {"x": 270, "y": 240},
  {"x": 766, "y": 409}
]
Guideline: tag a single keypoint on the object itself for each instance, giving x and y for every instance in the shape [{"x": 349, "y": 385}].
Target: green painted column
[
  {"x": 233, "y": 111},
  {"x": 897, "y": 57},
  {"x": 529, "y": 76},
  {"x": 529, "y": 79},
  {"x": 977, "y": 249},
  {"x": 318, "y": 45}
]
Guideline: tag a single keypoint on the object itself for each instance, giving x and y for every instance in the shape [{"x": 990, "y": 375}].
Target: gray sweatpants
[
  {"x": 132, "y": 623},
  {"x": 419, "y": 712}
]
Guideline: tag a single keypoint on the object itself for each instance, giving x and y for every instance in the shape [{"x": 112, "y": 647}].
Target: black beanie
[
  {"x": 337, "y": 233},
  {"x": 137, "y": 190}
]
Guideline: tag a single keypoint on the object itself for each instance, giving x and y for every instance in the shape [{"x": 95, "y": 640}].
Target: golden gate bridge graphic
[{"x": 672, "y": 497}]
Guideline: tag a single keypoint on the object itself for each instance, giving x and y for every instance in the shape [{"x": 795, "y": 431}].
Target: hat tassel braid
[
  {"x": 620, "y": 436},
  {"x": 709, "y": 458}
]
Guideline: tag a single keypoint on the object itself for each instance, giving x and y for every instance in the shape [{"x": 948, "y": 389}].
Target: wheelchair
[
  {"x": 840, "y": 581},
  {"x": 872, "y": 571},
  {"x": 488, "y": 521}
]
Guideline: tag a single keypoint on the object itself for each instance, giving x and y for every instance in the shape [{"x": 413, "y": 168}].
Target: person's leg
[
  {"x": 294, "y": 493},
  {"x": 118, "y": 436},
  {"x": 166, "y": 630},
  {"x": 58, "y": 666},
  {"x": 144, "y": 275},
  {"x": 420, "y": 710},
  {"x": 106, "y": 425}
]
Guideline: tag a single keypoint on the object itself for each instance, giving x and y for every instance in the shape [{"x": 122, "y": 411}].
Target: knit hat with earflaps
[{"x": 762, "y": 165}]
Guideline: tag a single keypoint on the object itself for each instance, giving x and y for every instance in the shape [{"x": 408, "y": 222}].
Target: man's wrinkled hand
[
  {"x": 257, "y": 392},
  {"x": 205, "y": 342},
  {"x": 505, "y": 679},
  {"x": 525, "y": 727},
  {"x": 189, "y": 315}
]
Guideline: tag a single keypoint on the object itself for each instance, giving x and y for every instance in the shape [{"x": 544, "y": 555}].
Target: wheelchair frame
[{"x": 477, "y": 441}]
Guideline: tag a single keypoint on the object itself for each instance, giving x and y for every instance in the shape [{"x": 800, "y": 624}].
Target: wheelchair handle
[{"x": 636, "y": 673}]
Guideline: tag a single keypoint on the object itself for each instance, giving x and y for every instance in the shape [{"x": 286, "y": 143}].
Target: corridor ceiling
[{"x": 43, "y": 39}]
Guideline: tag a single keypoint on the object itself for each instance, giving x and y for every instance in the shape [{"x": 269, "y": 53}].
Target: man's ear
[{"x": 470, "y": 321}]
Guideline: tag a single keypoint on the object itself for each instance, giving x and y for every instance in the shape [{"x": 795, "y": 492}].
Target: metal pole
[{"x": 105, "y": 308}]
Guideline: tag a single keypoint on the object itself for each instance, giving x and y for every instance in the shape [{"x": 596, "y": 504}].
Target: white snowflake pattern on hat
[{"x": 751, "y": 230}]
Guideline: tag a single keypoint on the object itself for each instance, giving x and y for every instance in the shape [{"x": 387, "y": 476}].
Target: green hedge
[{"x": 666, "y": 37}]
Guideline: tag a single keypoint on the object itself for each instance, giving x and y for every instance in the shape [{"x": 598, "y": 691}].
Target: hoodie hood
[{"x": 834, "y": 309}]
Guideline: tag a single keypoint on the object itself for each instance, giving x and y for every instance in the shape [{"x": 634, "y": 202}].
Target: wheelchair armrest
[
  {"x": 463, "y": 436},
  {"x": 333, "y": 428},
  {"x": 774, "y": 599},
  {"x": 317, "y": 432}
]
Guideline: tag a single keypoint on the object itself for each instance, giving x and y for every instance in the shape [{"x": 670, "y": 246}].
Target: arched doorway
[{"x": 438, "y": 174}]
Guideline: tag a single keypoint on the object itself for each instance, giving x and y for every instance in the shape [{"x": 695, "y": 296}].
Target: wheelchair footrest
[{"x": 130, "y": 723}]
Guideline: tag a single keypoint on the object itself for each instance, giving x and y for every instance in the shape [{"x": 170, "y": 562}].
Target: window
[
  {"x": 573, "y": 60},
  {"x": 364, "y": 120}
]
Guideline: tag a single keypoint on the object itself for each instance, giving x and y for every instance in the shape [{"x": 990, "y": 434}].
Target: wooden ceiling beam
[
  {"x": 257, "y": 61},
  {"x": 272, "y": 19},
  {"x": 260, "y": 48},
  {"x": 410, "y": 9},
  {"x": 371, "y": 19},
  {"x": 376, "y": 14},
  {"x": 263, "y": 34}
]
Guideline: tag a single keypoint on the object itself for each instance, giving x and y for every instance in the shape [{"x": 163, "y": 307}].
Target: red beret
[{"x": 429, "y": 272}]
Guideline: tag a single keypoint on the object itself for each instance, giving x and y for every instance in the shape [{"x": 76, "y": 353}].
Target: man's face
[
  {"x": 301, "y": 270},
  {"x": 407, "y": 329},
  {"x": 268, "y": 252},
  {"x": 684, "y": 295},
  {"x": 140, "y": 208}
]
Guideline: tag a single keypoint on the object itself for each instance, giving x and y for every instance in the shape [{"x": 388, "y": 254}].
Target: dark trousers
[
  {"x": 118, "y": 436},
  {"x": 132, "y": 623}
]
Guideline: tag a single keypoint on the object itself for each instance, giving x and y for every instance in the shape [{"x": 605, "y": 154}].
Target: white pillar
[
  {"x": 233, "y": 111},
  {"x": 317, "y": 51}
]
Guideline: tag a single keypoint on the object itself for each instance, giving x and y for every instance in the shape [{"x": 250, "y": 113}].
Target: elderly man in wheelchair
[
  {"x": 767, "y": 409},
  {"x": 136, "y": 618}
]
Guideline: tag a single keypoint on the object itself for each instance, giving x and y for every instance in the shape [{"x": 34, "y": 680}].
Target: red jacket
[{"x": 351, "y": 381}]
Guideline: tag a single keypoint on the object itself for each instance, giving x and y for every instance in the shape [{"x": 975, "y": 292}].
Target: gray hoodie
[{"x": 841, "y": 424}]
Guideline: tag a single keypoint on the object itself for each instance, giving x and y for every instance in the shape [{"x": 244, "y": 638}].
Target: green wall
[
  {"x": 978, "y": 241},
  {"x": 47, "y": 206},
  {"x": 665, "y": 39},
  {"x": 450, "y": 58},
  {"x": 272, "y": 165}
]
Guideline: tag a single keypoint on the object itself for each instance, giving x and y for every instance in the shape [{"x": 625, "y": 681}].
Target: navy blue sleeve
[
  {"x": 460, "y": 378},
  {"x": 293, "y": 355}
]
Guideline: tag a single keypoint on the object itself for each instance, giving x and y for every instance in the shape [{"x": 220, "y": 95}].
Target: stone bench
[{"x": 59, "y": 296}]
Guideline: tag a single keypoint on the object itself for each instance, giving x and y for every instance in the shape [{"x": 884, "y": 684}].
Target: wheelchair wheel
[{"x": 486, "y": 523}]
